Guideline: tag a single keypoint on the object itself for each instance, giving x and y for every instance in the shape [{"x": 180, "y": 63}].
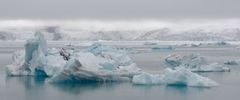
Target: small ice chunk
[
  {"x": 190, "y": 61},
  {"x": 150, "y": 43},
  {"x": 173, "y": 60},
  {"x": 222, "y": 43},
  {"x": 232, "y": 62},
  {"x": 214, "y": 67},
  {"x": 163, "y": 47},
  {"x": 189, "y": 45},
  {"x": 179, "y": 76},
  {"x": 194, "y": 62}
]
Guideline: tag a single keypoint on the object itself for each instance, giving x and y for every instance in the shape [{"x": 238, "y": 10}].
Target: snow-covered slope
[{"x": 217, "y": 30}]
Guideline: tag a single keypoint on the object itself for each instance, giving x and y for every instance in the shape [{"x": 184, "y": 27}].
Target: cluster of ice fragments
[
  {"x": 98, "y": 63},
  {"x": 214, "y": 44},
  {"x": 194, "y": 62}
]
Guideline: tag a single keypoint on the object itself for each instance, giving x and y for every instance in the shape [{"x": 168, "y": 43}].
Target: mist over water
[{"x": 115, "y": 30}]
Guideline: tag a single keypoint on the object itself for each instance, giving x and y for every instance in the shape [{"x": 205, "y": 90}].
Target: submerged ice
[{"x": 194, "y": 62}]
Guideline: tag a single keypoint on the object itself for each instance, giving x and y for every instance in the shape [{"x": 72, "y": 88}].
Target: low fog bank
[{"x": 122, "y": 30}]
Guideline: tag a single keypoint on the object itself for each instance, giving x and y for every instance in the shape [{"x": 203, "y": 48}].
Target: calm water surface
[{"x": 30, "y": 88}]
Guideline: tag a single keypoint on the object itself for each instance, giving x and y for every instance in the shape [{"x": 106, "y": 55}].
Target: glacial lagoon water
[{"x": 30, "y": 88}]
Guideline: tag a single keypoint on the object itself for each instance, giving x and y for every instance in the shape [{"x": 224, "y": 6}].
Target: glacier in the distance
[{"x": 123, "y": 30}]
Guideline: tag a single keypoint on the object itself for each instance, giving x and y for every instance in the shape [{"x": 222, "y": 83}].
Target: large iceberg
[
  {"x": 97, "y": 63},
  {"x": 194, "y": 62},
  {"x": 179, "y": 76}
]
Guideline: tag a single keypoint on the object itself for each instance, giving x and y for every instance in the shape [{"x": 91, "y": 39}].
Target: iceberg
[
  {"x": 98, "y": 63},
  {"x": 194, "y": 62},
  {"x": 232, "y": 62},
  {"x": 34, "y": 47},
  {"x": 75, "y": 72},
  {"x": 179, "y": 76},
  {"x": 190, "y": 61},
  {"x": 37, "y": 60},
  {"x": 213, "y": 67}
]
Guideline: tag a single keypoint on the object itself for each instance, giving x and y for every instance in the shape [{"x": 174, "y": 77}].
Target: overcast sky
[{"x": 119, "y": 9}]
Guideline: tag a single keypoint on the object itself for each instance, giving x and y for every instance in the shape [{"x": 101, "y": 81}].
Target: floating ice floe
[
  {"x": 188, "y": 45},
  {"x": 232, "y": 62},
  {"x": 150, "y": 43},
  {"x": 214, "y": 44},
  {"x": 179, "y": 76},
  {"x": 194, "y": 62},
  {"x": 163, "y": 47},
  {"x": 221, "y": 43}
]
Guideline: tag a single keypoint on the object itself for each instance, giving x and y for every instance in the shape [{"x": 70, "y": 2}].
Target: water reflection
[
  {"x": 78, "y": 88},
  {"x": 36, "y": 88},
  {"x": 31, "y": 84}
]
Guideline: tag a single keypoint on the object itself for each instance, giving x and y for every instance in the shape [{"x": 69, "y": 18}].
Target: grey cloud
[{"x": 118, "y": 9}]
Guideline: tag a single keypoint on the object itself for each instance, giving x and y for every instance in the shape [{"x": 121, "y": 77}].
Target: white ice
[
  {"x": 36, "y": 60},
  {"x": 232, "y": 62},
  {"x": 194, "y": 62},
  {"x": 179, "y": 76},
  {"x": 163, "y": 47},
  {"x": 210, "y": 44},
  {"x": 98, "y": 63}
]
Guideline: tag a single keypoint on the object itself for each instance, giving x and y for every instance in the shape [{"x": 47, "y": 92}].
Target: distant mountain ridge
[{"x": 123, "y": 33}]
